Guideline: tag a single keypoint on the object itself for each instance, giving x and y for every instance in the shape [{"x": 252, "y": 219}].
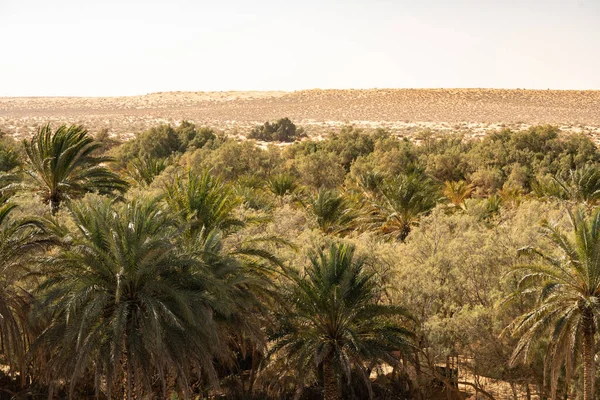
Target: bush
[
  {"x": 9, "y": 158},
  {"x": 9, "y": 153},
  {"x": 192, "y": 138},
  {"x": 165, "y": 140},
  {"x": 233, "y": 160},
  {"x": 108, "y": 142},
  {"x": 349, "y": 144},
  {"x": 157, "y": 142},
  {"x": 283, "y": 130},
  {"x": 320, "y": 169}
]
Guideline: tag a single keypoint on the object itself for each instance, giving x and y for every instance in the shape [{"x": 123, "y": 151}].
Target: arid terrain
[{"x": 405, "y": 111}]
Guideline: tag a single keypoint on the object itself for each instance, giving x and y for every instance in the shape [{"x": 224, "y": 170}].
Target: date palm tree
[
  {"x": 205, "y": 211},
  {"x": 203, "y": 202},
  {"x": 143, "y": 169},
  {"x": 582, "y": 184},
  {"x": 129, "y": 306},
  {"x": 400, "y": 202},
  {"x": 245, "y": 270},
  {"x": 568, "y": 306},
  {"x": 281, "y": 185},
  {"x": 333, "y": 212},
  {"x": 63, "y": 165},
  {"x": 334, "y": 320},
  {"x": 18, "y": 241},
  {"x": 458, "y": 192}
]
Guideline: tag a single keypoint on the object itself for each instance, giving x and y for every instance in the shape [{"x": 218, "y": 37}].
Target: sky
[{"x": 134, "y": 47}]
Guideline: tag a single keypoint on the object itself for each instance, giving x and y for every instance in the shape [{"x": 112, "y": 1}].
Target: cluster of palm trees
[
  {"x": 389, "y": 207},
  {"x": 146, "y": 297}
]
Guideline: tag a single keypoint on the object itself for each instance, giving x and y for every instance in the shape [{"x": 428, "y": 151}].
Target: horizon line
[{"x": 295, "y": 91}]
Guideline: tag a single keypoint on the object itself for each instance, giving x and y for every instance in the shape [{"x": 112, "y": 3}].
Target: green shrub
[
  {"x": 9, "y": 153},
  {"x": 157, "y": 142},
  {"x": 283, "y": 130},
  {"x": 192, "y": 138},
  {"x": 349, "y": 144},
  {"x": 320, "y": 169},
  {"x": 235, "y": 159}
]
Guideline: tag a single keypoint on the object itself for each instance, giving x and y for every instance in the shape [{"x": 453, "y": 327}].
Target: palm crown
[
  {"x": 334, "y": 213},
  {"x": 204, "y": 202},
  {"x": 400, "y": 203},
  {"x": 63, "y": 166},
  {"x": 335, "y": 319}
]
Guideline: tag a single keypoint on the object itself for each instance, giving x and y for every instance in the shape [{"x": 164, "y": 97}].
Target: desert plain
[{"x": 405, "y": 112}]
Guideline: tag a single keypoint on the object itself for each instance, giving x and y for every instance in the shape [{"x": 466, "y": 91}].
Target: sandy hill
[{"x": 404, "y": 110}]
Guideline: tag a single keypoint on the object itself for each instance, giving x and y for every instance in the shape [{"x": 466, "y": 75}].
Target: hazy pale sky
[{"x": 129, "y": 47}]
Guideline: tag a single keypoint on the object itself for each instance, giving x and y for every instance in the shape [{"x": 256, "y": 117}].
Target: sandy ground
[{"x": 405, "y": 111}]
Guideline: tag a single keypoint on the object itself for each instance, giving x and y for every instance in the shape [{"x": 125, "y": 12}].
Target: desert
[{"x": 402, "y": 111}]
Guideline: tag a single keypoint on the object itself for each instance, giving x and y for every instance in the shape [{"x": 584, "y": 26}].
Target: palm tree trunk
[
  {"x": 589, "y": 350},
  {"x": 253, "y": 368},
  {"x": 96, "y": 383},
  {"x": 330, "y": 387},
  {"x": 163, "y": 382},
  {"x": 129, "y": 379},
  {"x": 54, "y": 206},
  {"x": 418, "y": 374},
  {"x": 127, "y": 382},
  {"x": 404, "y": 231},
  {"x": 448, "y": 392}
]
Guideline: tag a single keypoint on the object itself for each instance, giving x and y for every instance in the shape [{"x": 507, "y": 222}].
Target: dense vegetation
[{"x": 186, "y": 264}]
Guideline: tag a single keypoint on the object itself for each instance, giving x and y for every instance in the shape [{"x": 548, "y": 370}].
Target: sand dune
[{"x": 402, "y": 110}]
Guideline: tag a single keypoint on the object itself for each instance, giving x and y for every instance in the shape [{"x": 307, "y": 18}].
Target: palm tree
[
  {"x": 510, "y": 195},
  {"x": 400, "y": 202},
  {"x": 370, "y": 181},
  {"x": 18, "y": 240},
  {"x": 568, "y": 305},
  {"x": 245, "y": 270},
  {"x": 63, "y": 166},
  {"x": 129, "y": 306},
  {"x": 334, "y": 320},
  {"x": 581, "y": 185},
  {"x": 144, "y": 169},
  {"x": 549, "y": 186},
  {"x": 458, "y": 192},
  {"x": 281, "y": 185},
  {"x": 333, "y": 212},
  {"x": 12, "y": 305},
  {"x": 204, "y": 202}
]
